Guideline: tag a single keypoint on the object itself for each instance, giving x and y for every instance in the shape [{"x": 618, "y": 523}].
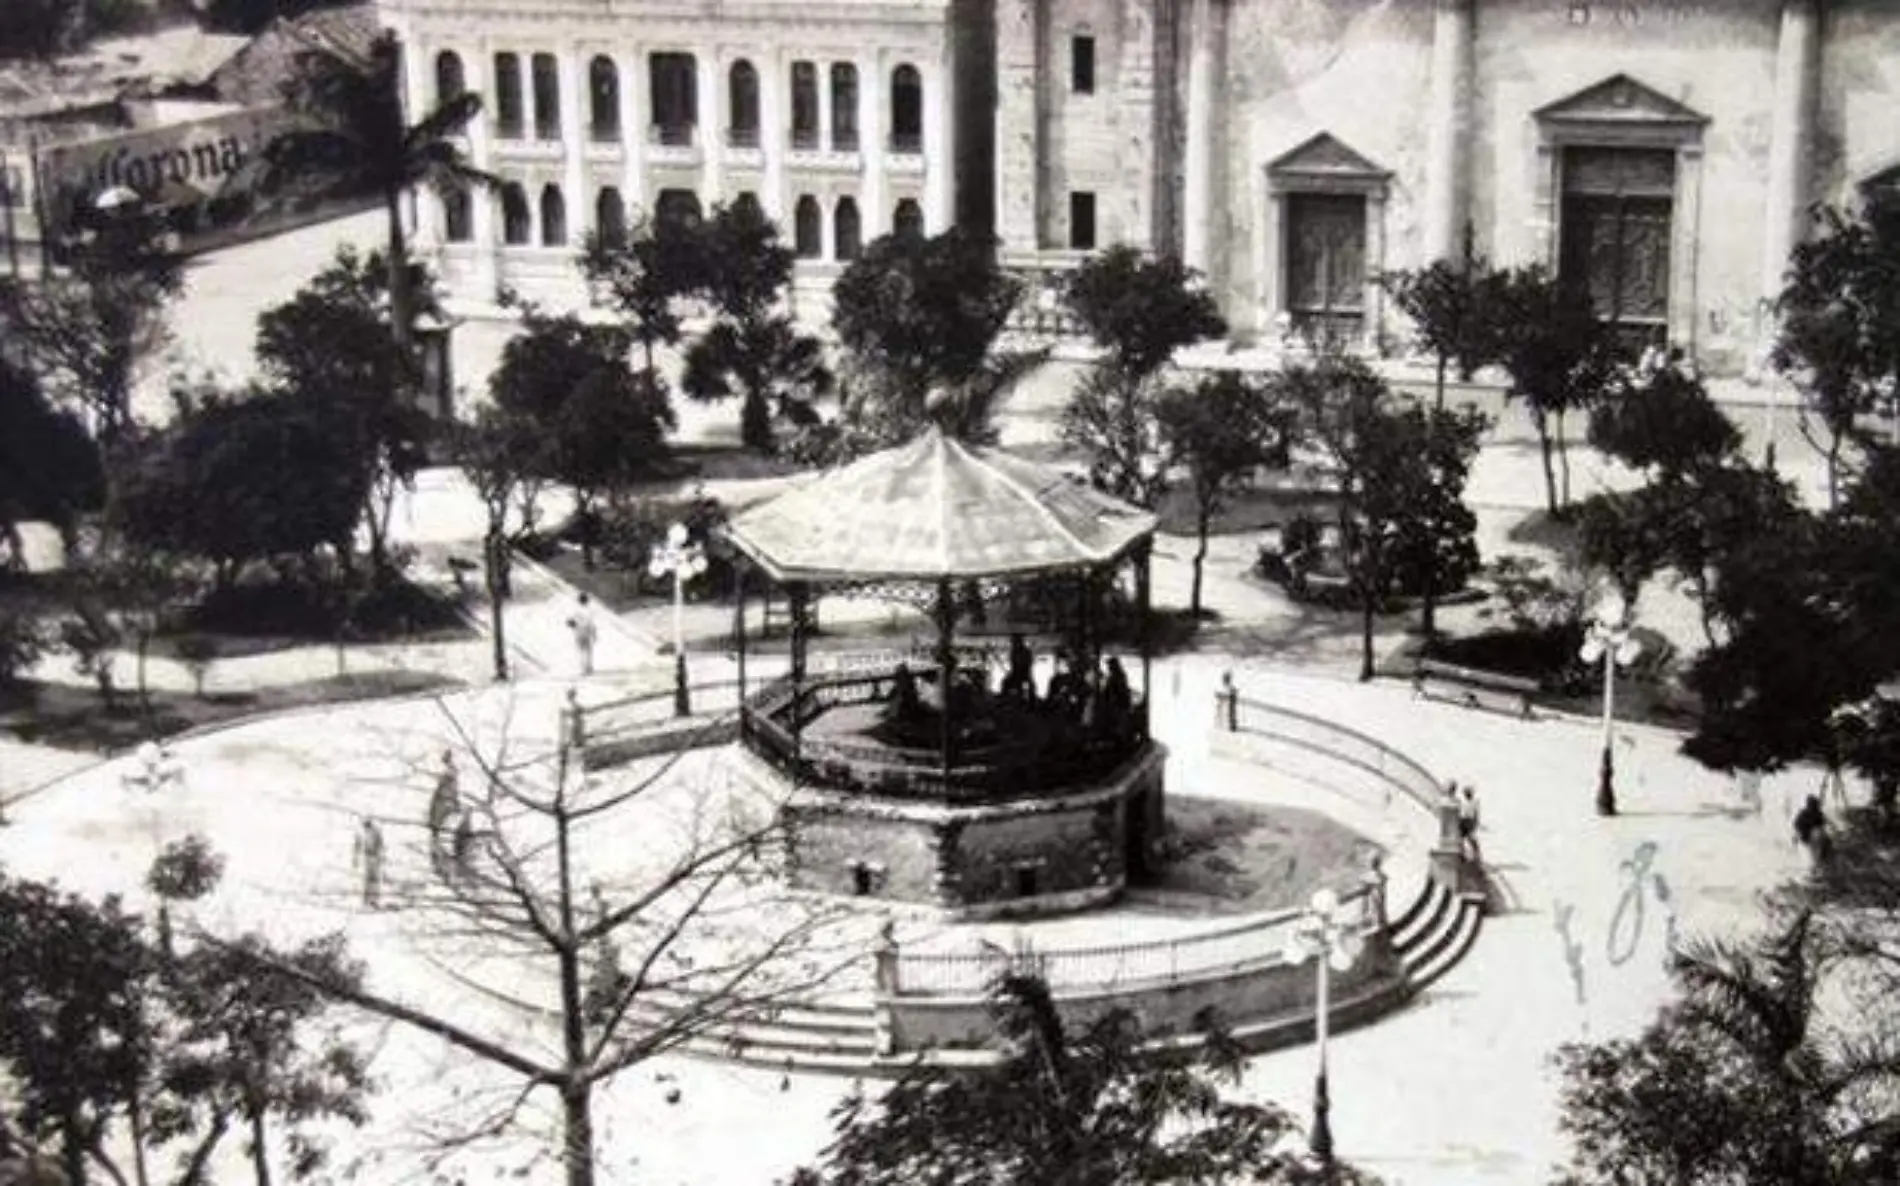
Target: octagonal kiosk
[{"x": 998, "y": 760}]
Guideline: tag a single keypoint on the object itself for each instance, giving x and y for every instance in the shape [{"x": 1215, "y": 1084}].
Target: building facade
[
  {"x": 1664, "y": 152},
  {"x": 837, "y": 117}
]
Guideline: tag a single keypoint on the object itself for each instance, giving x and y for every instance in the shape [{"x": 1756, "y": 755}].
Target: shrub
[
  {"x": 197, "y": 652},
  {"x": 22, "y": 642}
]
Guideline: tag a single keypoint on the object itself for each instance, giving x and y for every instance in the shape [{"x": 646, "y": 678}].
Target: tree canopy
[
  {"x": 1141, "y": 309},
  {"x": 50, "y": 469}
]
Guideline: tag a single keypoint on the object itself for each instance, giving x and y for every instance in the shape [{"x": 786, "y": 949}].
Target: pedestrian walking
[
  {"x": 582, "y": 626},
  {"x": 1468, "y": 819},
  {"x": 1810, "y": 831},
  {"x": 443, "y": 805},
  {"x": 368, "y": 859}
]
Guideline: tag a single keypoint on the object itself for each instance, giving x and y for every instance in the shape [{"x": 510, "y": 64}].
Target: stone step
[
  {"x": 1423, "y": 919},
  {"x": 1428, "y": 962}
]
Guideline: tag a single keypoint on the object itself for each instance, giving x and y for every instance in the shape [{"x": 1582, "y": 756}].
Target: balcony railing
[
  {"x": 805, "y": 139},
  {"x": 674, "y": 135},
  {"x": 742, "y": 137},
  {"x": 907, "y": 142}
]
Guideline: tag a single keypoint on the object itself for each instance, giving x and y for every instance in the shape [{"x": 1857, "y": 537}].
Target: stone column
[
  {"x": 484, "y": 204},
  {"x": 424, "y": 209},
  {"x": 633, "y": 133},
  {"x": 580, "y": 203},
  {"x": 1448, "y": 125},
  {"x": 1197, "y": 216},
  {"x": 1791, "y": 129},
  {"x": 872, "y": 202},
  {"x": 939, "y": 162},
  {"x": 711, "y": 131},
  {"x": 774, "y": 130},
  {"x": 822, "y": 71}
]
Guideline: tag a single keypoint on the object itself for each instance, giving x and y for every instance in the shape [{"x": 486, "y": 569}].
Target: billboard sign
[{"x": 205, "y": 176}]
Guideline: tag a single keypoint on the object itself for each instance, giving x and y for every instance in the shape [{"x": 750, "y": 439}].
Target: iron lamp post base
[{"x": 1606, "y": 784}]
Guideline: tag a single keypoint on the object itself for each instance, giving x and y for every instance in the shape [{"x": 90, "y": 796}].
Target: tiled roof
[
  {"x": 346, "y": 32},
  {"x": 936, "y": 507}
]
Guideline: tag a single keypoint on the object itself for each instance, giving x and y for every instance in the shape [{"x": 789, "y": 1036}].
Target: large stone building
[
  {"x": 835, "y": 116},
  {"x": 1664, "y": 150}
]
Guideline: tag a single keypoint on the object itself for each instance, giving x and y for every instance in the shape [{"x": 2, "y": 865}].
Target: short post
[
  {"x": 1228, "y": 699},
  {"x": 884, "y": 961},
  {"x": 1448, "y": 855}
]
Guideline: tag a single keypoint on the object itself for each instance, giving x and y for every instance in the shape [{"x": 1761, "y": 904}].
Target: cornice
[{"x": 482, "y": 15}]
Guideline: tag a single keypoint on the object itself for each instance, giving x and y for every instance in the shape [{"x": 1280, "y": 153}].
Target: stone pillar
[
  {"x": 884, "y": 976},
  {"x": 774, "y": 130},
  {"x": 580, "y": 202},
  {"x": 1448, "y": 124},
  {"x": 633, "y": 133},
  {"x": 873, "y": 204},
  {"x": 822, "y": 70},
  {"x": 1448, "y": 854},
  {"x": 1197, "y": 218},
  {"x": 711, "y": 132},
  {"x": 484, "y": 204},
  {"x": 1791, "y": 130},
  {"x": 424, "y": 209},
  {"x": 939, "y": 167}
]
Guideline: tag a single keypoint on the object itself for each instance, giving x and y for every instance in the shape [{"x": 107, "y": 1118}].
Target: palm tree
[{"x": 363, "y": 142}]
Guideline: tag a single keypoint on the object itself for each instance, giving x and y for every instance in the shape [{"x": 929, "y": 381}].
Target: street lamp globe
[{"x": 1612, "y": 642}]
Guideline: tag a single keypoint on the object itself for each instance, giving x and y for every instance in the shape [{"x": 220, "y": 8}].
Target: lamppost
[
  {"x": 1611, "y": 640},
  {"x": 680, "y": 557},
  {"x": 1324, "y": 935}
]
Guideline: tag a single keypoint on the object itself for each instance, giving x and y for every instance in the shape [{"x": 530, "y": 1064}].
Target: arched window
[
  {"x": 742, "y": 104},
  {"x": 449, "y": 80},
  {"x": 673, "y": 96},
  {"x": 907, "y": 221},
  {"x": 610, "y": 217},
  {"x": 507, "y": 96},
  {"x": 553, "y": 217},
  {"x": 808, "y": 232},
  {"x": 907, "y": 110},
  {"x": 547, "y": 98},
  {"x": 603, "y": 97},
  {"x": 748, "y": 203},
  {"x": 457, "y": 220},
  {"x": 844, "y": 107},
  {"x": 847, "y": 230},
  {"x": 517, "y": 226},
  {"x": 677, "y": 206},
  {"x": 804, "y": 105}
]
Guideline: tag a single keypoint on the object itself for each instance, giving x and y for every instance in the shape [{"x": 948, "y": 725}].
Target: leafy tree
[
  {"x": 1560, "y": 359},
  {"x": 139, "y": 587},
  {"x": 1456, "y": 311},
  {"x": 1141, "y": 311},
  {"x": 919, "y": 318},
  {"x": 244, "y": 1053},
  {"x": 645, "y": 274},
  {"x": 243, "y": 477},
  {"x": 1839, "y": 336},
  {"x": 1117, "y": 423},
  {"x": 498, "y": 452},
  {"x": 752, "y": 349},
  {"x": 1220, "y": 431},
  {"x": 49, "y": 468},
  {"x": 1380, "y": 450},
  {"x": 87, "y": 328},
  {"x": 73, "y": 978},
  {"x": 1436, "y": 546},
  {"x": 333, "y": 348},
  {"x": 1066, "y": 1108},
  {"x": 362, "y": 141},
  {"x": 1662, "y": 422},
  {"x": 602, "y": 425},
  {"x": 1743, "y": 1082}
]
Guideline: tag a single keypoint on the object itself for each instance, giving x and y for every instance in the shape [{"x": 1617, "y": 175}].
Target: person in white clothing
[{"x": 581, "y": 625}]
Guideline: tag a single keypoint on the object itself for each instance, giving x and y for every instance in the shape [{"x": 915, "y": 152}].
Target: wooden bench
[{"x": 1473, "y": 687}]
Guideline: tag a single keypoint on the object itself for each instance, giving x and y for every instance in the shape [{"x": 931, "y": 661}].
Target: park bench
[{"x": 1473, "y": 687}]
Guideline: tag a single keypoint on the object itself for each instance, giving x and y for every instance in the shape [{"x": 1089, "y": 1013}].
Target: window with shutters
[{"x": 1618, "y": 207}]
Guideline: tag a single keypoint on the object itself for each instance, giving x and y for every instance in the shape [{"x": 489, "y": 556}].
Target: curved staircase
[{"x": 1435, "y": 933}]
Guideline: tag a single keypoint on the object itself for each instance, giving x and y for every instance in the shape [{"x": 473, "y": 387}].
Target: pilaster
[
  {"x": 774, "y": 131},
  {"x": 1197, "y": 223},
  {"x": 873, "y": 204},
  {"x": 939, "y": 177},
  {"x": 574, "y": 179},
  {"x": 1136, "y": 100},
  {"x": 483, "y": 203},
  {"x": 633, "y": 132},
  {"x": 1018, "y": 147},
  {"x": 711, "y": 132},
  {"x": 1448, "y": 129},
  {"x": 1791, "y": 131}
]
